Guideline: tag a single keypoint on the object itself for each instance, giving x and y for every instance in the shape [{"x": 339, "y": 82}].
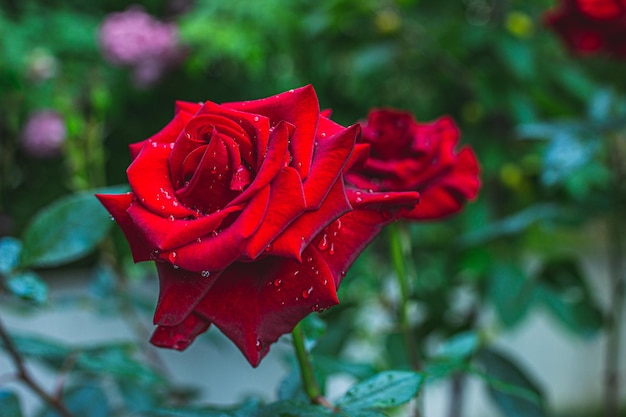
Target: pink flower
[{"x": 43, "y": 134}]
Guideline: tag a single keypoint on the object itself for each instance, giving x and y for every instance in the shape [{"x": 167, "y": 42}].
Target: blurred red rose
[
  {"x": 243, "y": 207},
  {"x": 406, "y": 155},
  {"x": 591, "y": 26}
]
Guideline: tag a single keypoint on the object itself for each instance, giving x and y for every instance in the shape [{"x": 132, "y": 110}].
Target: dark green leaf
[
  {"x": 29, "y": 286},
  {"x": 10, "y": 249},
  {"x": 387, "y": 389},
  {"x": 117, "y": 361},
  {"x": 459, "y": 346},
  {"x": 247, "y": 409},
  {"x": 47, "y": 351},
  {"x": 512, "y": 225},
  {"x": 510, "y": 292},
  {"x": 9, "y": 404},
  {"x": 563, "y": 290},
  {"x": 65, "y": 231},
  {"x": 84, "y": 401},
  {"x": 513, "y": 391}
]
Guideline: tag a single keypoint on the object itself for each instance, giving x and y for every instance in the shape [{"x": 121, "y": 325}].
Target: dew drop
[
  {"x": 323, "y": 134},
  {"x": 295, "y": 273},
  {"x": 256, "y": 118},
  {"x": 205, "y": 274},
  {"x": 175, "y": 203},
  {"x": 155, "y": 254},
  {"x": 268, "y": 247},
  {"x": 214, "y": 169},
  {"x": 358, "y": 199},
  {"x": 331, "y": 250},
  {"x": 112, "y": 218},
  {"x": 325, "y": 282},
  {"x": 259, "y": 345},
  {"x": 307, "y": 293},
  {"x": 323, "y": 243},
  {"x": 309, "y": 259},
  {"x": 214, "y": 233},
  {"x": 172, "y": 257},
  {"x": 162, "y": 207},
  {"x": 386, "y": 196},
  {"x": 171, "y": 218},
  {"x": 199, "y": 240},
  {"x": 278, "y": 282}
]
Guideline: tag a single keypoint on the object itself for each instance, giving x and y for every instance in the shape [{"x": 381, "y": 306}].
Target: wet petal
[
  {"x": 180, "y": 336},
  {"x": 255, "y": 303},
  {"x": 118, "y": 206}
]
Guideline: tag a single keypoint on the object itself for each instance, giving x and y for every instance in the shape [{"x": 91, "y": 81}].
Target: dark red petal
[
  {"x": 301, "y": 232},
  {"x": 167, "y": 135},
  {"x": 255, "y": 303},
  {"x": 359, "y": 155},
  {"x": 167, "y": 234},
  {"x": 343, "y": 241},
  {"x": 450, "y": 192},
  {"x": 186, "y": 107},
  {"x": 285, "y": 205},
  {"x": 272, "y": 162},
  {"x": 118, "y": 205},
  {"x": 209, "y": 188},
  {"x": 149, "y": 179},
  {"x": 256, "y": 127},
  {"x": 226, "y": 245},
  {"x": 179, "y": 292},
  {"x": 298, "y": 107},
  {"x": 331, "y": 155},
  {"x": 181, "y": 335}
]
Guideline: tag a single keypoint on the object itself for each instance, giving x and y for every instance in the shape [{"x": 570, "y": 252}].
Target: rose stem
[
  {"x": 396, "y": 241},
  {"x": 397, "y": 257},
  {"x": 618, "y": 285},
  {"x": 25, "y": 376},
  {"x": 309, "y": 383}
]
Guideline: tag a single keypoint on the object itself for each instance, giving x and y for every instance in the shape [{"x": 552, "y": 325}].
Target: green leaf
[
  {"x": 84, "y": 401},
  {"x": 563, "y": 290},
  {"x": 291, "y": 408},
  {"x": 514, "y": 392},
  {"x": 51, "y": 353},
  {"x": 387, "y": 389},
  {"x": 9, "y": 404},
  {"x": 117, "y": 361},
  {"x": 29, "y": 286},
  {"x": 10, "y": 249},
  {"x": 459, "y": 346},
  {"x": 65, "y": 231},
  {"x": 510, "y": 292},
  {"x": 512, "y": 225}
]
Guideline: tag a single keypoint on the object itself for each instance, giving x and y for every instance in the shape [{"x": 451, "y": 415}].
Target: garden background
[{"x": 516, "y": 302}]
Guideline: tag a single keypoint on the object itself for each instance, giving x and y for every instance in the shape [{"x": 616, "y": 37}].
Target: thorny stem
[
  {"x": 307, "y": 375},
  {"x": 396, "y": 240},
  {"x": 26, "y": 377}
]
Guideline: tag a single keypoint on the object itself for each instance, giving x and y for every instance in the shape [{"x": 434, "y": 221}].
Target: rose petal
[
  {"x": 179, "y": 292},
  {"x": 331, "y": 155},
  {"x": 168, "y": 234},
  {"x": 167, "y": 135},
  {"x": 300, "y": 108},
  {"x": 118, "y": 206},
  {"x": 180, "y": 336},
  {"x": 149, "y": 179},
  {"x": 226, "y": 245},
  {"x": 255, "y": 303},
  {"x": 305, "y": 228},
  {"x": 283, "y": 211}
]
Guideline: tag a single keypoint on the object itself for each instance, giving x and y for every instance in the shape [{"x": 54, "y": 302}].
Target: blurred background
[{"x": 524, "y": 287}]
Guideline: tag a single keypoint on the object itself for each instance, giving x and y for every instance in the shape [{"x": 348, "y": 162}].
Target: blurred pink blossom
[
  {"x": 43, "y": 134},
  {"x": 135, "y": 39}
]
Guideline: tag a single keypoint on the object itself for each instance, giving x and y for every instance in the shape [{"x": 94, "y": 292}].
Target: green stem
[
  {"x": 307, "y": 375},
  {"x": 397, "y": 258}
]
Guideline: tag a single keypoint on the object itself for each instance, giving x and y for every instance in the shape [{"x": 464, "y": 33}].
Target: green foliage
[
  {"x": 384, "y": 390},
  {"x": 9, "y": 404},
  {"x": 65, "y": 231}
]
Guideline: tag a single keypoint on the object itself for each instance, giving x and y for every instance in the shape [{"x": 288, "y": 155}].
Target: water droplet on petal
[
  {"x": 256, "y": 118},
  {"x": 268, "y": 247},
  {"x": 307, "y": 293},
  {"x": 295, "y": 273},
  {"x": 278, "y": 282},
  {"x": 323, "y": 243},
  {"x": 171, "y": 218},
  {"x": 172, "y": 257},
  {"x": 331, "y": 250},
  {"x": 199, "y": 240},
  {"x": 309, "y": 259},
  {"x": 358, "y": 199},
  {"x": 205, "y": 274}
]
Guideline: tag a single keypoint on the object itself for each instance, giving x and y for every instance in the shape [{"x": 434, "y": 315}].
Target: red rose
[
  {"x": 406, "y": 155},
  {"x": 243, "y": 208},
  {"x": 591, "y": 26}
]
